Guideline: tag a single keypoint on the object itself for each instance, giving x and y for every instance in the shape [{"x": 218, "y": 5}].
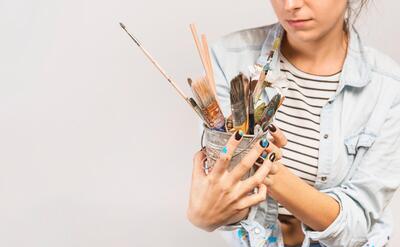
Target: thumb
[{"x": 198, "y": 165}]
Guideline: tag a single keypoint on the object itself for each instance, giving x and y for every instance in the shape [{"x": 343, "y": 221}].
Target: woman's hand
[
  {"x": 221, "y": 197},
  {"x": 277, "y": 141}
]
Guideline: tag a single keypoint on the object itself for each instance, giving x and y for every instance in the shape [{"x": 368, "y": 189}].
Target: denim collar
[{"x": 356, "y": 71}]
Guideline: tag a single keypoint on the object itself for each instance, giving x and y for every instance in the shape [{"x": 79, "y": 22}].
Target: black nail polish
[
  {"x": 272, "y": 157},
  {"x": 238, "y": 135},
  {"x": 272, "y": 128},
  {"x": 260, "y": 161}
]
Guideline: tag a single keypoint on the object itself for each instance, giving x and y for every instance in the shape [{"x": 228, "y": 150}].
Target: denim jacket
[{"x": 359, "y": 154}]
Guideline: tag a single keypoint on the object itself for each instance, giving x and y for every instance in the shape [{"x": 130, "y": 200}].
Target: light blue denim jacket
[{"x": 359, "y": 155}]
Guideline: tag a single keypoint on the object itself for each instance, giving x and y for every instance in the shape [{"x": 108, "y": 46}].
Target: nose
[{"x": 292, "y": 5}]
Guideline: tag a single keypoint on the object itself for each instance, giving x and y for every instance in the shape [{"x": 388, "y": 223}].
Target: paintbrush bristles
[
  {"x": 204, "y": 53},
  {"x": 190, "y": 82},
  {"x": 237, "y": 89},
  {"x": 201, "y": 90},
  {"x": 238, "y": 103},
  {"x": 207, "y": 102}
]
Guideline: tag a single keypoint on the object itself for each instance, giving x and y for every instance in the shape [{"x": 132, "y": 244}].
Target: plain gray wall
[{"x": 95, "y": 147}]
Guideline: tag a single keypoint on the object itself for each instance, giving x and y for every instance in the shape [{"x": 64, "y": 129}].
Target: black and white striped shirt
[{"x": 299, "y": 118}]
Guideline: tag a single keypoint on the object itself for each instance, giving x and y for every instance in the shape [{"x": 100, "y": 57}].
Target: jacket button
[
  {"x": 257, "y": 230},
  {"x": 323, "y": 178},
  {"x": 326, "y": 136}
]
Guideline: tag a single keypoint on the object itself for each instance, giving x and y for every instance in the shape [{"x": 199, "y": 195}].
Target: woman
[{"x": 338, "y": 135}]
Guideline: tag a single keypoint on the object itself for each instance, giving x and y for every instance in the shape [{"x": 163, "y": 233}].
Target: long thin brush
[
  {"x": 264, "y": 72},
  {"x": 202, "y": 48},
  {"x": 209, "y": 64},
  {"x": 252, "y": 85},
  {"x": 208, "y": 103},
  {"x": 188, "y": 100},
  {"x": 238, "y": 103}
]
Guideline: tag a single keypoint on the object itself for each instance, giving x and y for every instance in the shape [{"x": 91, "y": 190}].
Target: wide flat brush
[
  {"x": 208, "y": 104},
  {"x": 238, "y": 103}
]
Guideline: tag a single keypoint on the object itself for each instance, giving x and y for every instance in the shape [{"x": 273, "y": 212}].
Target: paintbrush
[
  {"x": 188, "y": 100},
  {"x": 269, "y": 111},
  {"x": 204, "y": 53},
  {"x": 196, "y": 107},
  {"x": 260, "y": 84},
  {"x": 208, "y": 104},
  {"x": 252, "y": 86},
  {"x": 238, "y": 103}
]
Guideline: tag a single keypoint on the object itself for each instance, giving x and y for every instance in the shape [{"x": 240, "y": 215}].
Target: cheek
[{"x": 328, "y": 12}]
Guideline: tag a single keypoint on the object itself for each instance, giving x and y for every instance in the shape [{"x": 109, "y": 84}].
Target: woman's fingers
[
  {"x": 269, "y": 181},
  {"x": 279, "y": 138},
  {"x": 226, "y": 153},
  {"x": 258, "y": 178},
  {"x": 274, "y": 169},
  {"x": 248, "y": 161},
  {"x": 253, "y": 199},
  {"x": 272, "y": 148}
]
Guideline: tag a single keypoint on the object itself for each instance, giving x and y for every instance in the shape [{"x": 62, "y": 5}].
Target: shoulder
[
  {"x": 236, "y": 51},
  {"x": 385, "y": 71},
  {"x": 250, "y": 38},
  {"x": 382, "y": 65}
]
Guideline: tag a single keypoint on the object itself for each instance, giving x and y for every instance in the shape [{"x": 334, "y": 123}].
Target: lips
[{"x": 298, "y": 23}]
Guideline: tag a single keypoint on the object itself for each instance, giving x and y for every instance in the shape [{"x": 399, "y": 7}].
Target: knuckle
[
  {"x": 244, "y": 164},
  {"x": 257, "y": 180},
  {"x": 268, "y": 181},
  {"x": 226, "y": 188},
  {"x": 225, "y": 158}
]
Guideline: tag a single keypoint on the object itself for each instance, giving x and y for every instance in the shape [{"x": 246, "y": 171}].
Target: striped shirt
[{"x": 299, "y": 118}]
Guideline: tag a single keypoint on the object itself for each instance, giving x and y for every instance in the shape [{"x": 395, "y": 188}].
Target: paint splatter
[
  {"x": 272, "y": 239},
  {"x": 242, "y": 234}
]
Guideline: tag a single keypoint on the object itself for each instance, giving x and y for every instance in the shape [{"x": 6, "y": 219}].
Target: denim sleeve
[
  {"x": 260, "y": 229},
  {"x": 368, "y": 191}
]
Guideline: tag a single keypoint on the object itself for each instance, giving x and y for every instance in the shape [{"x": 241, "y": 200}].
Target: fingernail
[
  {"x": 272, "y": 157},
  {"x": 272, "y": 128},
  {"x": 224, "y": 150},
  {"x": 264, "y": 154},
  {"x": 238, "y": 135},
  {"x": 264, "y": 143},
  {"x": 260, "y": 161}
]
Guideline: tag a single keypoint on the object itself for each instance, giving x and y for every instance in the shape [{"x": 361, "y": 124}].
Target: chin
[{"x": 307, "y": 35}]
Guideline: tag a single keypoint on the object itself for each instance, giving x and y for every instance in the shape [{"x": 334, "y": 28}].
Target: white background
[{"x": 95, "y": 146}]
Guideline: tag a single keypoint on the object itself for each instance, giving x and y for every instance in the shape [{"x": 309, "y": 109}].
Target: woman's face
[{"x": 310, "y": 20}]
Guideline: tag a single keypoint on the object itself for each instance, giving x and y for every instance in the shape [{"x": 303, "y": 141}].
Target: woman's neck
[{"x": 324, "y": 56}]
